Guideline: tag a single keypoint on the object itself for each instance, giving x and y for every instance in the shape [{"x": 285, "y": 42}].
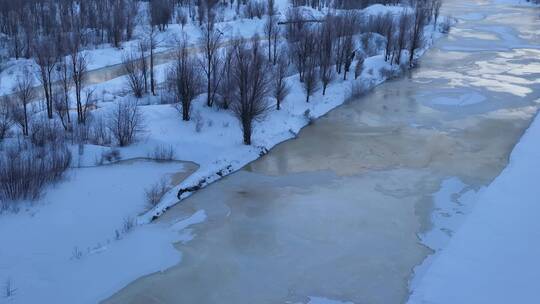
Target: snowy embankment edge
[
  {"x": 460, "y": 254},
  {"x": 207, "y": 175}
]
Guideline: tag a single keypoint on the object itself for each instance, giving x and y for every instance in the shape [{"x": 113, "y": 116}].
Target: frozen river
[{"x": 336, "y": 212}]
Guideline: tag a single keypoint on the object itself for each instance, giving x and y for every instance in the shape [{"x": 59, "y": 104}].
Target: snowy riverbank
[{"x": 493, "y": 256}]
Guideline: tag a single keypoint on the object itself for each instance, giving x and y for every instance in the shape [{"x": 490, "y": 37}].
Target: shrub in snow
[
  {"x": 6, "y": 119},
  {"x": 309, "y": 118},
  {"x": 162, "y": 153},
  {"x": 135, "y": 69},
  {"x": 98, "y": 133},
  {"x": 125, "y": 122},
  {"x": 25, "y": 169},
  {"x": 446, "y": 25},
  {"x": 254, "y": 9},
  {"x": 359, "y": 88},
  {"x": 9, "y": 289},
  {"x": 76, "y": 254},
  {"x": 44, "y": 131},
  {"x": 390, "y": 73},
  {"x": 156, "y": 192},
  {"x": 110, "y": 155},
  {"x": 128, "y": 224}
]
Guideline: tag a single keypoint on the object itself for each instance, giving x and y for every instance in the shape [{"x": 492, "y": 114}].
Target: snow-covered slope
[{"x": 494, "y": 256}]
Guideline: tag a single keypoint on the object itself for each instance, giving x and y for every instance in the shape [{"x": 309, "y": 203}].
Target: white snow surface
[
  {"x": 64, "y": 248},
  {"x": 493, "y": 255}
]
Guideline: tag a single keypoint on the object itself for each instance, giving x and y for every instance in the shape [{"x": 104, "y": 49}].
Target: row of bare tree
[{"x": 319, "y": 50}]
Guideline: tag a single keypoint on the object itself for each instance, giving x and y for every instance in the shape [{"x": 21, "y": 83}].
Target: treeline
[
  {"x": 23, "y": 22},
  {"x": 243, "y": 77},
  {"x": 342, "y": 4}
]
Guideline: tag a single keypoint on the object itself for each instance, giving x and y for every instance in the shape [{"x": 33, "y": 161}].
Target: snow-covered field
[
  {"x": 57, "y": 249},
  {"x": 66, "y": 248}
]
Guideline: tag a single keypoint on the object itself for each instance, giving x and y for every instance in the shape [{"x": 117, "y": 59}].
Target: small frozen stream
[{"x": 336, "y": 212}]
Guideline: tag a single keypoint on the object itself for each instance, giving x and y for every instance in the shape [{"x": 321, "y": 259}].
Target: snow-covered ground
[
  {"x": 63, "y": 248},
  {"x": 66, "y": 248},
  {"x": 493, "y": 256}
]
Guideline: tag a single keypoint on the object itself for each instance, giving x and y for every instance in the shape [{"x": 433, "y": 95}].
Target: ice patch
[
  {"x": 472, "y": 16},
  {"x": 319, "y": 300},
  {"x": 461, "y": 100}
]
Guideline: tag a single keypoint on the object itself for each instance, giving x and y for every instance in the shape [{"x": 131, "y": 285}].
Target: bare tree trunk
[
  {"x": 252, "y": 83},
  {"x": 211, "y": 40}
]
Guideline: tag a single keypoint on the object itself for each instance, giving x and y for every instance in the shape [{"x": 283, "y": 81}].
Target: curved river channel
[{"x": 336, "y": 213}]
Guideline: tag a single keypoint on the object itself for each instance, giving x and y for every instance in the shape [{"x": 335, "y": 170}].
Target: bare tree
[
  {"x": 252, "y": 86},
  {"x": 88, "y": 104},
  {"x": 275, "y": 37},
  {"x": 303, "y": 49},
  {"x": 349, "y": 53},
  {"x": 131, "y": 12},
  {"x": 79, "y": 70},
  {"x": 270, "y": 29},
  {"x": 135, "y": 72},
  {"x": 271, "y": 7},
  {"x": 359, "y": 67},
  {"x": 46, "y": 58},
  {"x": 403, "y": 27},
  {"x": 160, "y": 13},
  {"x": 437, "y": 4},
  {"x": 326, "y": 54},
  {"x": 226, "y": 85},
  {"x": 25, "y": 94},
  {"x": 60, "y": 107},
  {"x": 311, "y": 77},
  {"x": 281, "y": 87},
  {"x": 117, "y": 22},
  {"x": 125, "y": 122},
  {"x": 210, "y": 61},
  {"x": 152, "y": 43},
  {"x": 417, "y": 30},
  {"x": 66, "y": 83},
  {"x": 185, "y": 79},
  {"x": 6, "y": 117},
  {"x": 345, "y": 26},
  {"x": 389, "y": 28},
  {"x": 141, "y": 65}
]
